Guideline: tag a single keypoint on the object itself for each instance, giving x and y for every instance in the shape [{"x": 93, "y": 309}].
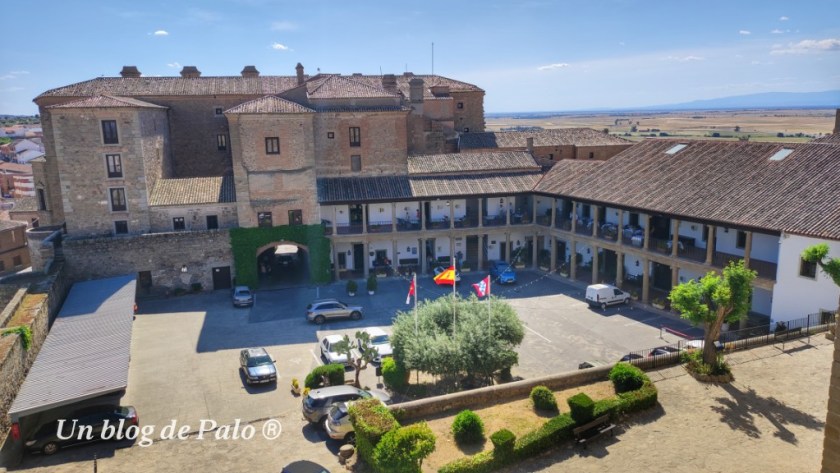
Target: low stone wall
[
  {"x": 477, "y": 398},
  {"x": 11, "y": 307}
]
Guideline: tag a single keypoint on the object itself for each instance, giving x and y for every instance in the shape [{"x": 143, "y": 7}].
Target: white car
[
  {"x": 379, "y": 340},
  {"x": 328, "y": 351}
]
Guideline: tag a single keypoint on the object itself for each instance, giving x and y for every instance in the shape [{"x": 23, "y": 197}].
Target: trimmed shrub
[
  {"x": 557, "y": 429},
  {"x": 393, "y": 374},
  {"x": 503, "y": 442},
  {"x": 582, "y": 408},
  {"x": 483, "y": 462},
  {"x": 352, "y": 286},
  {"x": 402, "y": 450},
  {"x": 626, "y": 377},
  {"x": 543, "y": 399},
  {"x": 639, "y": 400},
  {"x": 371, "y": 421},
  {"x": 468, "y": 427},
  {"x": 333, "y": 371}
]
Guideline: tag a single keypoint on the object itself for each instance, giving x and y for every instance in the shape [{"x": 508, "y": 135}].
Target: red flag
[
  {"x": 482, "y": 288},
  {"x": 410, "y": 293}
]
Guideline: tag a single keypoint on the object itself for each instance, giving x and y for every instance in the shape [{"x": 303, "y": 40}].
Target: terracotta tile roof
[
  {"x": 107, "y": 101},
  {"x": 558, "y": 137},
  {"x": 335, "y": 86},
  {"x": 194, "y": 190},
  {"x": 339, "y": 109},
  {"x": 269, "y": 104},
  {"x": 833, "y": 138},
  {"x": 476, "y": 162},
  {"x": 729, "y": 182},
  {"x": 385, "y": 188}
]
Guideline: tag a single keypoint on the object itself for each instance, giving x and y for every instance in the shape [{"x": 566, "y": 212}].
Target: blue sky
[{"x": 528, "y": 55}]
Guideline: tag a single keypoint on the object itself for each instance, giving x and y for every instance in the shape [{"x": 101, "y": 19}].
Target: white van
[{"x": 605, "y": 294}]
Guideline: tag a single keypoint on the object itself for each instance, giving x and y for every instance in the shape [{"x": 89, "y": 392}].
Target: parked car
[
  {"x": 605, "y": 294},
  {"x": 664, "y": 350},
  {"x": 316, "y": 405},
  {"x": 379, "y": 340},
  {"x": 502, "y": 272},
  {"x": 321, "y": 310},
  {"x": 592, "y": 364},
  {"x": 440, "y": 269},
  {"x": 337, "y": 425},
  {"x": 304, "y": 466},
  {"x": 328, "y": 351},
  {"x": 630, "y": 357},
  {"x": 257, "y": 366},
  {"x": 46, "y": 439},
  {"x": 242, "y": 296}
]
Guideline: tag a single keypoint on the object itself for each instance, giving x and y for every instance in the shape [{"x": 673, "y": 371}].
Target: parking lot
[{"x": 184, "y": 365}]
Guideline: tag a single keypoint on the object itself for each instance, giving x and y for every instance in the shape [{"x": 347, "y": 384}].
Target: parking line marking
[
  {"x": 317, "y": 360},
  {"x": 537, "y": 334}
]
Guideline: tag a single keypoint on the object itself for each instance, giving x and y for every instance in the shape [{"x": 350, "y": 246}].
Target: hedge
[
  {"x": 393, "y": 374},
  {"x": 371, "y": 421},
  {"x": 245, "y": 242},
  {"x": 333, "y": 371},
  {"x": 582, "y": 408}
]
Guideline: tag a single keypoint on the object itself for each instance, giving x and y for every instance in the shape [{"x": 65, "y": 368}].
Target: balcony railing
[
  {"x": 660, "y": 246},
  {"x": 379, "y": 227},
  {"x": 523, "y": 218},
  {"x": 349, "y": 228},
  {"x": 544, "y": 220},
  {"x": 584, "y": 227},
  {"x": 495, "y": 220},
  {"x": 692, "y": 253},
  {"x": 608, "y": 231},
  {"x": 765, "y": 269},
  {"x": 410, "y": 225},
  {"x": 563, "y": 224},
  {"x": 439, "y": 224},
  {"x": 466, "y": 222}
]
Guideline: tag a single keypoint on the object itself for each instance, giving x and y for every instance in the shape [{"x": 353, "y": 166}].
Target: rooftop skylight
[
  {"x": 676, "y": 149},
  {"x": 781, "y": 154}
]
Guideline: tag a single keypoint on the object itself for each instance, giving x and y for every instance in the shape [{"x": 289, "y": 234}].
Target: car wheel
[
  {"x": 626, "y": 300},
  {"x": 350, "y": 438},
  {"x": 319, "y": 319},
  {"x": 355, "y": 315},
  {"x": 50, "y": 448},
  {"x": 322, "y": 422},
  {"x": 603, "y": 306}
]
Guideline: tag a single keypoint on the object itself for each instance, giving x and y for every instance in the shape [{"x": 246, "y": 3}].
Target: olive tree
[
  {"x": 715, "y": 299},
  {"x": 361, "y": 358}
]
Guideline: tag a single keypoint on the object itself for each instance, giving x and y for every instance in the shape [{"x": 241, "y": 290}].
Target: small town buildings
[{"x": 14, "y": 253}]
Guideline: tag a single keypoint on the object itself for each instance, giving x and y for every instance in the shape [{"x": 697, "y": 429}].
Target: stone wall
[
  {"x": 195, "y": 216},
  {"x": 471, "y": 115},
  {"x": 384, "y": 145},
  {"x": 831, "y": 444},
  {"x": 13, "y": 246},
  {"x": 162, "y": 254}
]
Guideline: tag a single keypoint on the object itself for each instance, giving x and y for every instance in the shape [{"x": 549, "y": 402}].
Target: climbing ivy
[{"x": 246, "y": 241}]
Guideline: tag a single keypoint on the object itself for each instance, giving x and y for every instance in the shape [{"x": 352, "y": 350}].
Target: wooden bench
[{"x": 593, "y": 430}]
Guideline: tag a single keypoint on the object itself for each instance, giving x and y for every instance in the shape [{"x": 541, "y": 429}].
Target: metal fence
[{"x": 732, "y": 340}]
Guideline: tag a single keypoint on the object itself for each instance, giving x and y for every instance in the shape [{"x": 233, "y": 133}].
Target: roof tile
[{"x": 194, "y": 190}]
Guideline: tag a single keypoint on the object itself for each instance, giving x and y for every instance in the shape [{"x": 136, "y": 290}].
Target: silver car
[
  {"x": 323, "y": 309},
  {"x": 378, "y": 340},
  {"x": 242, "y": 296},
  {"x": 338, "y": 425},
  {"x": 316, "y": 405},
  {"x": 257, "y": 366}
]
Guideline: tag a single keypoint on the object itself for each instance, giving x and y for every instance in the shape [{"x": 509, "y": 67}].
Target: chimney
[
  {"x": 415, "y": 90},
  {"x": 389, "y": 82},
  {"x": 440, "y": 90},
  {"x": 529, "y": 143},
  {"x": 837, "y": 123},
  {"x": 250, "y": 71},
  {"x": 130, "y": 71},
  {"x": 190, "y": 72},
  {"x": 299, "y": 69}
]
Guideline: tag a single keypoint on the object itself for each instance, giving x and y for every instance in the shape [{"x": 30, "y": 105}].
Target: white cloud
[
  {"x": 161, "y": 33},
  {"x": 279, "y": 47},
  {"x": 283, "y": 26},
  {"x": 778, "y": 31},
  {"x": 550, "y": 67},
  {"x": 174, "y": 65},
  {"x": 688, "y": 58},
  {"x": 808, "y": 46},
  {"x": 783, "y": 18},
  {"x": 744, "y": 32},
  {"x": 19, "y": 73}
]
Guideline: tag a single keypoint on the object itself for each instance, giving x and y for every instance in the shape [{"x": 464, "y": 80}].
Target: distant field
[{"x": 759, "y": 125}]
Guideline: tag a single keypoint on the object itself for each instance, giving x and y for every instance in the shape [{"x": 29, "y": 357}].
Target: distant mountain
[{"x": 827, "y": 99}]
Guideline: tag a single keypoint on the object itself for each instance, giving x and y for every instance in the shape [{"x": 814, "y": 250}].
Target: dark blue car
[{"x": 502, "y": 272}]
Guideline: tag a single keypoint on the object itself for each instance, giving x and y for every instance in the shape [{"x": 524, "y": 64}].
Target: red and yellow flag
[{"x": 447, "y": 277}]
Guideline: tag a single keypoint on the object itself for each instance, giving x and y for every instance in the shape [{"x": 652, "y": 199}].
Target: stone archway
[{"x": 282, "y": 263}]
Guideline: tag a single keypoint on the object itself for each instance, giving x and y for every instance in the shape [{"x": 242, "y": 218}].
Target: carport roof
[{"x": 86, "y": 352}]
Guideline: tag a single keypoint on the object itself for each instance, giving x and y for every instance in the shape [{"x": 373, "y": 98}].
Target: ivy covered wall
[{"x": 246, "y": 241}]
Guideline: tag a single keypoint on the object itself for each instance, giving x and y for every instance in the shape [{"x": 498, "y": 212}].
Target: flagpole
[
  {"x": 454, "y": 289},
  {"x": 414, "y": 284}
]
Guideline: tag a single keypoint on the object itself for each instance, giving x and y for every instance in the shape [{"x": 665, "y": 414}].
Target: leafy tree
[
  {"x": 830, "y": 266},
  {"x": 402, "y": 450},
  {"x": 479, "y": 340},
  {"x": 361, "y": 358},
  {"x": 714, "y": 300}
]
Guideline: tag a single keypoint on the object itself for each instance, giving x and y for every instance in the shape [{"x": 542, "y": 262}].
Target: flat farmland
[{"x": 759, "y": 125}]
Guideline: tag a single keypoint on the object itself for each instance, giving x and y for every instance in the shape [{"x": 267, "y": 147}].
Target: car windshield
[
  {"x": 259, "y": 361},
  {"x": 338, "y": 412},
  {"x": 243, "y": 292},
  {"x": 365, "y": 395},
  {"x": 379, "y": 340}
]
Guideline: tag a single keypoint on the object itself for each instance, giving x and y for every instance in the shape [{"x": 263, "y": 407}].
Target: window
[
  {"x": 676, "y": 148},
  {"x": 121, "y": 227},
  {"x": 634, "y": 219},
  {"x": 355, "y": 136},
  {"x": 2, "y": 265},
  {"x": 330, "y": 135},
  {"x": 466, "y": 129},
  {"x": 17, "y": 261},
  {"x": 460, "y": 105},
  {"x": 586, "y": 211},
  {"x": 178, "y": 224},
  {"x": 355, "y": 163},
  {"x": 272, "y": 145},
  {"x": 591, "y": 155},
  {"x": 118, "y": 200},
  {"x": 264, "y": 219},
  {"x": 741, "y": 240},
  {"x": 551, "y": 156},
  {"x": 114, "y": 164},
  {"x": 109, "y": 132},
  {"x": 42, "y": 200},
  {"x": 807, "y": 270},
  {"x": 221, "y": 142},
  {"x": 295, "y": 217},
  {"x": 212, "y": 222},
  {"x": 219, "y": 111}
]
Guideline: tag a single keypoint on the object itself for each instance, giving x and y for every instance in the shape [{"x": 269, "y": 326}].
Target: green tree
[
  {"x": 714, "y": 300},
  {"x": 359, "y": 358},
  {"x": 402, "y": 450},
  {"x": 829, "y": 266}
]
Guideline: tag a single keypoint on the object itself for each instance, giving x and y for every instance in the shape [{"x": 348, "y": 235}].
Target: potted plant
[
  {"x": 371, "y": 284},
  {"x": 352, "y": 287},
  {"x": 305, "y": 392},
  {"x": 658, "y": 303},
  {"x": 295, "y": 387},
  {"x": 634, "y": 294}
]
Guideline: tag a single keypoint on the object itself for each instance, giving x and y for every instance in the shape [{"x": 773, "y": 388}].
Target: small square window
[
  {"x": 295, "y": 217},
  {"x": 741, "y": 240},
  {"x": 109, "y": 132},
  {"x": 118, "y": 203},
  {"x": 221, "y": 142},
  {"x": 272, "y": 145},
  {"x": 355, "y": 136},
  {"x": 219, "y": 111},
  {"x": 807, "y": 269},
  {"x": 330, "y": 135},
  {"x": 2, "y": 265},
  {"x": 264, "y": 219},
  {"x": 591, "y": 155},
  {"x": 551, "y": 156},
  {"x": 212, "y": 222},
  {"x": 17, "y": 261},
  {"x": 460, "y": 105},
  {"x": 178, "y": 224},
  {"x": 121, "y": 227},
  {"x": 113, "y": 163},
  {"x": 355, "y": 163}
]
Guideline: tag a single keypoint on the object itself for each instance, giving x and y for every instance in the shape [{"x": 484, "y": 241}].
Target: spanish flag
[{"x": 446, "y": 277}]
